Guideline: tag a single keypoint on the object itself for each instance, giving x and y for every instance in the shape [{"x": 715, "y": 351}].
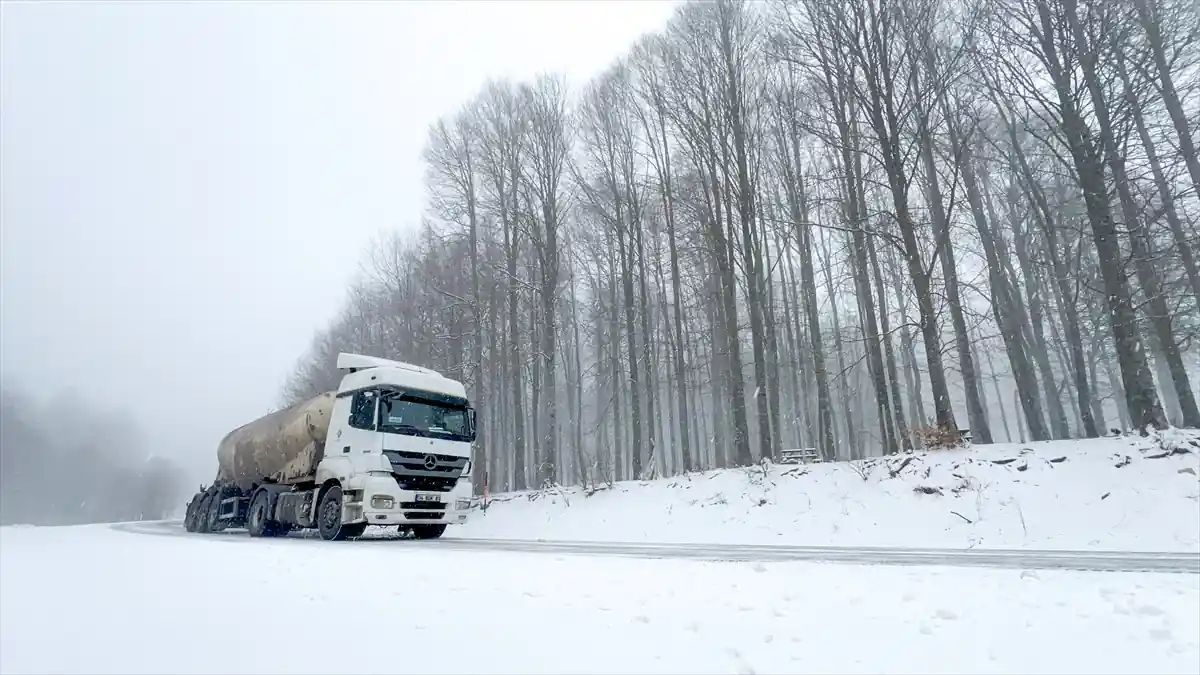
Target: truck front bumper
[{"x": 384, "y": 503}]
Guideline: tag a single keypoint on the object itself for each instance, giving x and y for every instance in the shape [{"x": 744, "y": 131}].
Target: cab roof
[{"x": 365, "y": 371}]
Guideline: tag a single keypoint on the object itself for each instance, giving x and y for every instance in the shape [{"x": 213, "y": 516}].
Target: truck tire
[
  {"x": 202, "y": 514},
  {"x": 257, "y": 522},
  {"x": 428, "y": 531},
  {"x": 189, "y": 520},
  {"x": 329, "y": 518},
  {"x": 213, "y": 518}
]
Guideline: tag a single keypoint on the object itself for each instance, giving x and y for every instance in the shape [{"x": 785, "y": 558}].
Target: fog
[
  {"x": 188, "y": 189},
  {"x": 64, "y": 461}
]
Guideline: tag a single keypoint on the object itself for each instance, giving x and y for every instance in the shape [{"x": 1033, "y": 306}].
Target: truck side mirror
[{"x": 471, "y": 422}]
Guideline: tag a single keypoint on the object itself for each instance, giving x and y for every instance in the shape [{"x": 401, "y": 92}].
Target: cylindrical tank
[{"x": 284, "y": 446}]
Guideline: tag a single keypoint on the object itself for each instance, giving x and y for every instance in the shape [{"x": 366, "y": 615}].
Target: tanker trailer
[{"x": 391, "y": 446}]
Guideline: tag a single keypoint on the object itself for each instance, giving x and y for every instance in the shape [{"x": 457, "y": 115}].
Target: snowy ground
[
  {"x": 90, "y": 599},
  {"x": 1125, "y": 493}
]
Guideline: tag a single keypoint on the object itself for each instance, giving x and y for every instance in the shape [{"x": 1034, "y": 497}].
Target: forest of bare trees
[{"x": 835, "y": 224}]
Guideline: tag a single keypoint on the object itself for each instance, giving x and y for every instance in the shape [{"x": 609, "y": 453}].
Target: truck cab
[{"x": 398, "y": 447}]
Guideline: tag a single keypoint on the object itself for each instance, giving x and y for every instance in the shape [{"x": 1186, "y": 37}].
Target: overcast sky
[{"x": 188, "y": 187}]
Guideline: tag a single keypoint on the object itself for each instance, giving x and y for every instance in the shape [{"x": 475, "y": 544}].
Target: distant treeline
[{"x": 64, "y": 462}]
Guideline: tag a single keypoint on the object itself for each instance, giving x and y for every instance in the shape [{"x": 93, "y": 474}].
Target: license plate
[{"x": 428, "y": 498}]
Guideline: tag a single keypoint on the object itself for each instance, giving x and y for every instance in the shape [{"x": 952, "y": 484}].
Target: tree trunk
[
  {"x": 852, "y": 441},
  {"x": 885, "y": 120},
  {"x": 685, "y": 439},
  {"x": 1002, "y": 304},
  {"x": 745, "y": 203},
  {"x": 944, "y": 250},
  {"x": 1141, "y": 397},
  {"x": 855, "y": 206},
  {"x": 517, "y": 381},
  {"x": 912, "y": 372},
  {"x": 1070, "y": 314},
  {"x": 1031, "y": 320},
  {"x": 736, "y": 390},
  {"x": 897, "y": 408}
]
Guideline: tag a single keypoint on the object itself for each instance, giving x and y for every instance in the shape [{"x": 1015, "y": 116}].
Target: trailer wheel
[
  {"x": 257, "y": 522},
  {"x": 189, "y": 520},
  {"x": 213, "y": 516},
  {"x": 329, "y": 518},
  {"x": 202, "y": 514},
  {"x": 428, "y": 531}
]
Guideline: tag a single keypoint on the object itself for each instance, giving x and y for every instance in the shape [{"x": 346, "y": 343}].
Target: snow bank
[
  {"x": 91, "y": 600},
  {"x": 1117, "y": 493}
]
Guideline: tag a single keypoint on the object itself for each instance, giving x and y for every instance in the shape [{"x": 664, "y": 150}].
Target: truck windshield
[{"x": 412, "y": 415}]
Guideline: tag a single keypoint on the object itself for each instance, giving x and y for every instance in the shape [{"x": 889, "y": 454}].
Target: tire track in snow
[{"x": 1101, "y": 561}]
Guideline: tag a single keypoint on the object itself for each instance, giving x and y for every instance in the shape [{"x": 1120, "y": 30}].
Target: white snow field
[
  {"x": 90, "y": 599},
  {"x": 1116, "y": 493}
]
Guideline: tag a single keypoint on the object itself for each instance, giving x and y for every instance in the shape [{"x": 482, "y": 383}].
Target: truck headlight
[
  {"x": 382, "y": 502},
  {"x": 462, "y": 504}
]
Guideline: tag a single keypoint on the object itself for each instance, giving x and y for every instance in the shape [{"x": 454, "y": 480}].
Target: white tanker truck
[{"x": 392, "y": 446}]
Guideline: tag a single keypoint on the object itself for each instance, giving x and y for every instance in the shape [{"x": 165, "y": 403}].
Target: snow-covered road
[
  {"x": 1102, "y": 561},
  {"x": 93, "y": 600}
]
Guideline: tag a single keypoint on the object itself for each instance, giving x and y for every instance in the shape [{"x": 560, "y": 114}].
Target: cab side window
[{"x": 362, "y": 410}]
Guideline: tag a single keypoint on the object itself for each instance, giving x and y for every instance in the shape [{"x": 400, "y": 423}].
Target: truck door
[{"x": 360, "y": 436}]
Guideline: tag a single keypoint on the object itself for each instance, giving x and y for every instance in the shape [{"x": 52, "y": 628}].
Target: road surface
[{"x": 1104, "y": 561}]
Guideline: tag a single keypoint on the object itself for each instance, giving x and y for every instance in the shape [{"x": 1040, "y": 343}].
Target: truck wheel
[
  {"x": 428, "y": 531},
  {"x": 215, "y": 524},
  {"x": 189, "y": 520},
  {"x": 329, "y": 518},
  {"x": 257, "y": 522},
  {"x": 202, "y": 514}
]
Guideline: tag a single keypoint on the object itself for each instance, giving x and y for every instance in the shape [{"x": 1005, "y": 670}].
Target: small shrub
[
  {"x": 862, "y": 468},
  {"x": 937, "y": 438}
]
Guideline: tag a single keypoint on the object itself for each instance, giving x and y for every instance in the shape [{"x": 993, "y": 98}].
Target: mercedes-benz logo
[{"x": 430, "y": 462}]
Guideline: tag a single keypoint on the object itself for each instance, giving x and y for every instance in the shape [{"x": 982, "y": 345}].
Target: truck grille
[
  {"x": 424, "y": 515},
  {"x": 424, "y": 506},
  {"x": 425, "y": 471}
]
